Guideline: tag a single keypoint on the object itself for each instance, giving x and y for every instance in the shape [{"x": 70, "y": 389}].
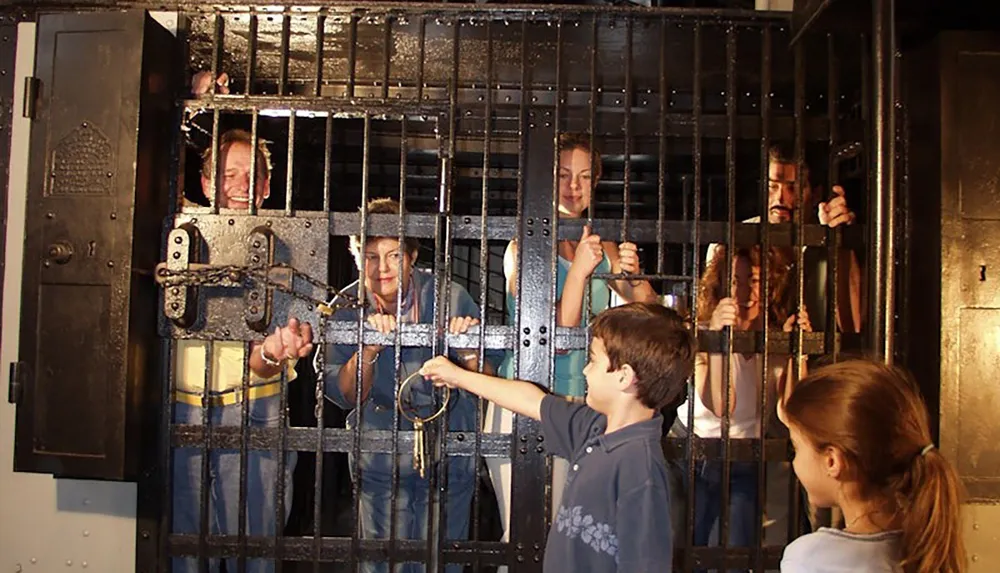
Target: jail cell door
[{"x": 97, "y": 191}]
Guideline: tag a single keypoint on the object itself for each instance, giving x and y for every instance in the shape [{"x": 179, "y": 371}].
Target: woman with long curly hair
[{"x": 742, "y": 309}]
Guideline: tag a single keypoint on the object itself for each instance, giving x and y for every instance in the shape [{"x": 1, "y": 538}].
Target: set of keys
[{"x": 419, "y": 445}]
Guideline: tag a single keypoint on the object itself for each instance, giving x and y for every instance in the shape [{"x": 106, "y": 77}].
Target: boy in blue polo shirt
[{"x": 615, "y": 510}]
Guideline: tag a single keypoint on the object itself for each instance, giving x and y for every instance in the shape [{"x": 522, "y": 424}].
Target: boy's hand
[
  {"x": 289, "y": 342},
  {"x": 442, "y": 372}
]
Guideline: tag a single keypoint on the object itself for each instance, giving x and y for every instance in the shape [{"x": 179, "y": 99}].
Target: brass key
[{"x": 418, "y": 446}]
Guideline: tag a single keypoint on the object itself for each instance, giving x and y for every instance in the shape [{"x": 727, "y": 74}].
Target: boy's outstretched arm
[{"x": 521, "y": 397}]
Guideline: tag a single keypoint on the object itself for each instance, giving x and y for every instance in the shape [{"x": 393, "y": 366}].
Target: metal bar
[
  {"x": 661, "y": 167},
  {"x": 169, "y": 370},
  {"x": 833, "y": 235},
  {"x": 280, "y": 451},
  {"x": 241, "y": 560},
  {"x": 218, "y": 30},
  {"x": 206, "y": 455},
  {"x": 729, "y": 366},
  {"x": 319, "y": 409},
  {"x": 356, "y": 511},
  {"x": 352, "y": 55},
  {"x": 627, "y": 188},
  {"x": 795, "y": 489},
  {"x": 397, "y": 347},
  {"x": 215, "y": 183},
  {"x": 318, "y": 70},
  {"x": 327, "y": 162},
  {"x": 594, "y": 166},
  {"x": 251, "y": 71},
  {"x": 254, "y": 145},
  {"x": 483, "y": 270},
  {"x": 283, "y": 68},
  {"x": 439, "y": 478},
  {"x": 290, "y": 170},
  {"x": 692, "y": 391},
  {"x": 883, "y": 185},
  {"x": 421, "y": 55},
  {"x": 765, "y": 285},
  {"x": 386, "y": 56},
  {"x": 746, "y": 17}
]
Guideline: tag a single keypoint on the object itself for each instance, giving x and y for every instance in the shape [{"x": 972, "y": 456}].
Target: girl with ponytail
[{"x": 862, "y": 443}]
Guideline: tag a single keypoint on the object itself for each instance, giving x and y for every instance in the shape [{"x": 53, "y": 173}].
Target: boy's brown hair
[{"x": 655, "y": 341}]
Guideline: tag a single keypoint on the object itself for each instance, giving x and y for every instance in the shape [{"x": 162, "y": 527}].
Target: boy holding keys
[{"x": 615, "y": 510}]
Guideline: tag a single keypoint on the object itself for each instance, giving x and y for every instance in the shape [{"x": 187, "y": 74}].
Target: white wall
[{"x": 48, "y": 525}]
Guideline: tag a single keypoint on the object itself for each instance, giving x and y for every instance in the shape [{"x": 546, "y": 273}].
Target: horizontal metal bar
[
  {"x": 530, "y": 12},
  {"x": 504, "y": 228},
  {"x": 334, "y": 548},
  {"x": 459, "y": 444},
  {"x": 319, "y": 106}
]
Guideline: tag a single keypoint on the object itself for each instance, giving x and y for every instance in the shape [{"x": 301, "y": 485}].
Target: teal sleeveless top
[{"x": 569, "y": 379}]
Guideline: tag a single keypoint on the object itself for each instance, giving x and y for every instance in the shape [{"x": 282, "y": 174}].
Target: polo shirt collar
[{"x": 651, "y": 429}]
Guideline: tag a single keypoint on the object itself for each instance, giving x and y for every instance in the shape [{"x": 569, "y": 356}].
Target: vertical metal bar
[
  {"x": 627, "y": 163},
  {"x": 728, "y": 366},
  {"x": 318, "y": 70},
  {"x": 795, "y": 493},
  {"x": 661, "y": 171},
  {"x": 279, "y": 508},
  {"x": 251, "y": 72},
  {"x": 689, "y": 560},
  {"x": 483, "y": 268},
  {"x": 765, "y": 286},
  {"x": 254, "y": 145},
  {"x": 167, "y": 401},
  {"x": 421, "y": 55},
  {"x": 386, "y": 55},
  {"x": 241, "y": 559},
  {"x": 594, "y": 164},
  {"x": 352, "y": 54},
  {"x": 283, "y": 68},
  {"x": 319, "y": 410},
  {"x": 218, "y": 31},
  {"x": 831, "y": 342},
  {"x": 290, "y": 169},
  {"x": 397, "y": 345},
  {"x": 883, "y": 187},
  {"x": 444, "y": 311},
  {"x": 216, "y": 183},
  {"x": 356, "y": 509},
  {"x": 327, "y": 160},
  {"x": 206, "y": 454}
]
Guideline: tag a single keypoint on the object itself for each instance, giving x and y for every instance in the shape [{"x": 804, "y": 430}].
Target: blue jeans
[
  {"x": 224, "y": 483},
  {"x": 744, "y": 514},
  {"x": 412, "y": 505}
]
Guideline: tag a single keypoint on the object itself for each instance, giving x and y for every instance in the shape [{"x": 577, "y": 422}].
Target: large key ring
[{"x": 417, "y": 420}]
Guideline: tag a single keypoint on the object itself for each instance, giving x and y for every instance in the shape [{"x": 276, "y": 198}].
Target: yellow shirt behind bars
[{"x": 227, "y": 367}]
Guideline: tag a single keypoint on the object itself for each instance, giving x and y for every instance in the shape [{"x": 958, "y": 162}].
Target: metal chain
[{"x": 249, "y": 277}]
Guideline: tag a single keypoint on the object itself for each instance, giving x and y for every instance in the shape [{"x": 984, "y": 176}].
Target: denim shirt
[{"x": 378, "y": 408}]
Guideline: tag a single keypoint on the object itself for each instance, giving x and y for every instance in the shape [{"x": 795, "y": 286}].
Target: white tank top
[{"x": 745, "y": 419}]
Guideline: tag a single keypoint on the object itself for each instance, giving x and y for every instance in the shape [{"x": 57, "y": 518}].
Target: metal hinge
[
  {"x": 31, "y": 86},
  {"x": 15, "y": 386}
]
